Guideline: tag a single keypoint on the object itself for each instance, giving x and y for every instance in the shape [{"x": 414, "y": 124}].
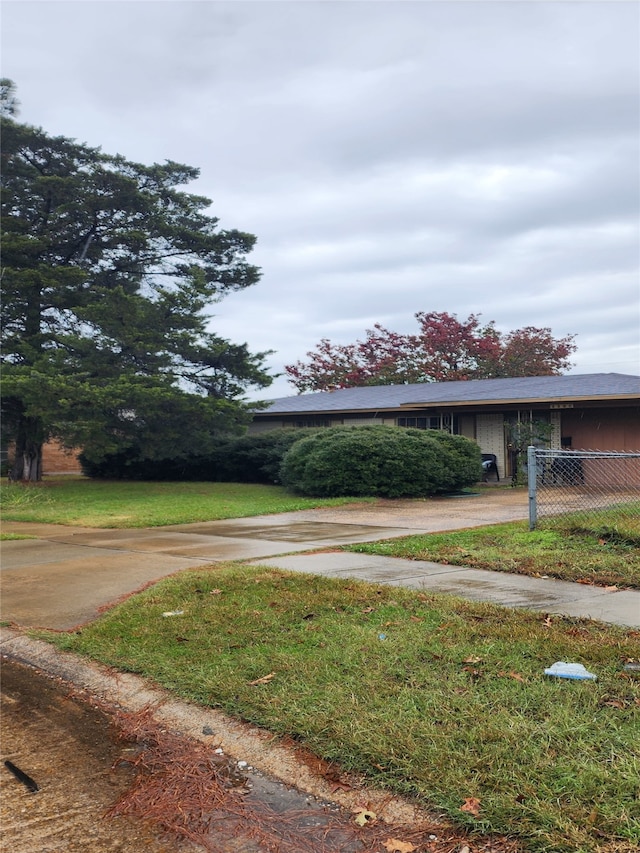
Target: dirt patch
[{"x": 70, "y": 750}]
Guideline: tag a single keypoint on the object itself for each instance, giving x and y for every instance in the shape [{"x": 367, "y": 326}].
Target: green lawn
[
  {"x": 103, "y": 503},
  {"x": 588, "y": 552},
  {"x": 430, "y": 696}
]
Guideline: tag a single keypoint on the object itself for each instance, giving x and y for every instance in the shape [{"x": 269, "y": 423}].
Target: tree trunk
[{"x": 27, "y": 465}]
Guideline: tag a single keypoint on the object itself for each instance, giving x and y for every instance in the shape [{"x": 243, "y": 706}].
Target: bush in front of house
[
  {"x": 380, "y": 461},
  {"x": 236, "y": 459},
  {"x": 257, "y": 458},
  {"x": 465, "y": 456},
  {"x": 129, "y": 465}
]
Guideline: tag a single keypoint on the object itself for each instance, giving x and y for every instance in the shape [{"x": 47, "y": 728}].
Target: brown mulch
[{"x": 189, "y": 791}]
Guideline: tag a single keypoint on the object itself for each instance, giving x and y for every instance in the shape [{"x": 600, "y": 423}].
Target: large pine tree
[{"x": 109, "y": 270}]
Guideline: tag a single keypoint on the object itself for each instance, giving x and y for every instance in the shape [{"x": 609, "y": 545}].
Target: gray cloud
[{"x": 391, "y": 157}]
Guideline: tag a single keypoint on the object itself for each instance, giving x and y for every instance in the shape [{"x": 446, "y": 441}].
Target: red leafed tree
[
  {"x": 534, "y": 352},
  {"x": 444, "y": 349},
  {"x": 447, "y": 349}
]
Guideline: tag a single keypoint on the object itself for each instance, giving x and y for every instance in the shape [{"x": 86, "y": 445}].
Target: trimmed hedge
[
  {"x": 343, "y": 461},
  {"x": 128, "y": 465},
  {"x": 380, "y": 461},
  {"x": 257, "y": 458},
  {"x": 237, "y": 459}
]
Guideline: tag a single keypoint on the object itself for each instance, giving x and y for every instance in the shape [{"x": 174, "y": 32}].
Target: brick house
[{"x": 596, "y": 411}]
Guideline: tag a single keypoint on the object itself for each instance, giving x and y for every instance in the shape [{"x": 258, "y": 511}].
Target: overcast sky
[{"x": 391, "y": 157}]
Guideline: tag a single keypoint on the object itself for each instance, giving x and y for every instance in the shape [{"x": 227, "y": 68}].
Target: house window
[
  {"x": 305, "y": 423},
  {"x": 448, "y": 423}
]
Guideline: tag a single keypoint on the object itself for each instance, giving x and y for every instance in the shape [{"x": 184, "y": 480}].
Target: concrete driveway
[{"x": 67, "y": 575}]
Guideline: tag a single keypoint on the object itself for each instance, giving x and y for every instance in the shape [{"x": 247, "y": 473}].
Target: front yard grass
[
  {"x": 436, "y": 698},
  {"x": 108, "y": 503},
  {"x": 572, "y": 550}
]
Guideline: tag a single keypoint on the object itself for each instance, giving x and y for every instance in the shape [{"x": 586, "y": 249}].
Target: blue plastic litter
[{"x": 575, "y": 671}]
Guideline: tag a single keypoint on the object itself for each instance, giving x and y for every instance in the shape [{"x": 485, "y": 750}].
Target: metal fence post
[{"x": 532, "y": 476}]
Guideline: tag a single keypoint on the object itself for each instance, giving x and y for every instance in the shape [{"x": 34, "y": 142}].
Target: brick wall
[{"x": 58, "y": 460}]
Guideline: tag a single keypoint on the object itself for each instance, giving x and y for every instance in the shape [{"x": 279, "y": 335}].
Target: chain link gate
[{"x": 583, "y": 482}]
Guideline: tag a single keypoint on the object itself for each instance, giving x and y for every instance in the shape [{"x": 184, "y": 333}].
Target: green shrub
[
  {"x": 465, "y": 457},
  {"x": 257, "y": 458},
  {"x": 129, "y": 465},
  {"x": 245, "y": 459},
  {"x": 380, "y": 461}
]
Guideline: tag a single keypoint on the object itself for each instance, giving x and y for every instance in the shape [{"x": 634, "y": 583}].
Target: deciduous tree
[{"x": 444, "y": 349}]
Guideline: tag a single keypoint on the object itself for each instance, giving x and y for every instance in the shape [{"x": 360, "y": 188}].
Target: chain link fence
[{"x": 586, "y": 483}]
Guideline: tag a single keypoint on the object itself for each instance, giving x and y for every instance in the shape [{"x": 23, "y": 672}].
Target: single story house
[{"x": 593, "y": 411}]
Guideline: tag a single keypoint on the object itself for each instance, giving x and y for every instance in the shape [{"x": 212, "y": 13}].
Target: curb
[{"x": 259, "y": 748}]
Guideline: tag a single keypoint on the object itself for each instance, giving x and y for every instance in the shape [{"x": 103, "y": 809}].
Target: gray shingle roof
[{"x": 524, "y": 389}]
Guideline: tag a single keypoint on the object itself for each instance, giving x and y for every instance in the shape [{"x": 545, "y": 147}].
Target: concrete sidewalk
[
  {"x": 619, "y": 607},
  {"x": 68, "y": 575}
]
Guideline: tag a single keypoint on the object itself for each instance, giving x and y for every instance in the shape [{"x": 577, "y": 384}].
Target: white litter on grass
[
  {"x": 575, "y": 671},
  {"x": 173, "y": 613}
]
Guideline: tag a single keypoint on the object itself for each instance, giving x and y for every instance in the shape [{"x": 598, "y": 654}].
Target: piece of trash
[
  {"x": 632, "y": 666},
  {"x": 382, "y": 636},
  {"x": 173, "y": 613},
  {"x": 575, "y": 671},
  {"x": 31, "y": 784}
]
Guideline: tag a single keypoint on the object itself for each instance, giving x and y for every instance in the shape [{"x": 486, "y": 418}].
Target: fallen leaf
[
  {"x": 367, "y": 610},
  {"x": 464, "y": 849},
  {"x": 471, "y": 805},
  {"x": 472, "y": 659},
  {"x": 416, "y": 619},
  {"x": 611, "y": 589},
  {"x": 364, "y": 817},
  {"x": 615, "y": 703},
  {"x": 517, "y": 677},
  {"x": 548, "y": 622},
  {"x": 264, "y": 680},
  {"x": 216, "y": 592},
  {"x": 340, "y": 786},
  {"x": 395, "y": 846}
]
